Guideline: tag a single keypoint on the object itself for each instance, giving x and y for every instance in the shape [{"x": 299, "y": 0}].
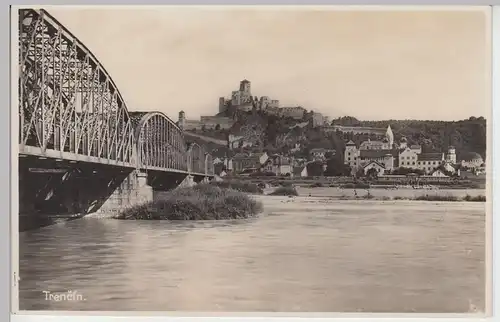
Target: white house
[
  {"x": 380, "y": 168},
  {"x": 427, "y": 162},
  {"x": 438, "y": 173},
  {"x": 408, "y": 159}
]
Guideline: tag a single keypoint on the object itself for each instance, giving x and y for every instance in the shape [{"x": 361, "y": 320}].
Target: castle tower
[
  {"x": 222, "y": 104},
  {"x": 451, "y": 155},
  {"x": 246, "y": 87},
  {"x": 182, "y": 120},
  {"x": 351, "y": 155},
  {"x": 390, "y": 136}
]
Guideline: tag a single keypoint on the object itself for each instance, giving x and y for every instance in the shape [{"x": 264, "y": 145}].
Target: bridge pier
[
  {"x": 187, "y": 182},
  {"x": 135, "y": 189}
]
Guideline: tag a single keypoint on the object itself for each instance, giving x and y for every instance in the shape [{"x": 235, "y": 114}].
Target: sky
[{"x": 371, "y": 64}]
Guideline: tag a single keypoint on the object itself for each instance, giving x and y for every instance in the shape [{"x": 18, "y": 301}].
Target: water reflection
[{"x": 333, "y": 256}]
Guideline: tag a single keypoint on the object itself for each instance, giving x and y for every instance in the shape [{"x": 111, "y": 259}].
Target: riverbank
[{"x": 454, "y": 195}]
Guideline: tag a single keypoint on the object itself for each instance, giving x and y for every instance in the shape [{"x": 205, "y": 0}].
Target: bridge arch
[
  {"x": 159, "y": 142},
  {"x": 69, "y": 107}
]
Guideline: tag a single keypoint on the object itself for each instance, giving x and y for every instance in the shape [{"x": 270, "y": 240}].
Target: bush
[
  {"x": 316, "y": 185},
  {"x": 285, "y": 183},
  {"x": 436, "y": 198},
  {"x": 358, "y": 185},
  {"x": 201, "y": 202},
  {"x": 237, "y": 185},
  {"x": 476, "y": 198},
  {"x": 284, "y": 191}
]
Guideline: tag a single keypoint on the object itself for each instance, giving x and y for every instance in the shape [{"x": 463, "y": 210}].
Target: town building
[
  {"x": 279, "y": 165},
  {"x": 295, "y": 112},
  {"x": 320, "y": 154},
  {"x": 214, "y": 122},
  {"x": 408, "y": 158},
  {"x": 472, "y": 160},
  {"x": 226, "y": 162},
  {"x": 428, "y": 162},
  {"x": 382, "y": 152},
  {"x": 417, "y": 148},
  {"x": 245, "y": 161},
  {"x": 268, "y": 103},
  {"x": 386, "y": 144},
  {"x": 374, "y": 145},
  {"x": 238, "y": 141},
  {"x": 355, "y": 129},
  {"x": 206, "y": 122},
  {"x": 377, "y": 166},
  {"x": 438, "y": 173},
  {"x": 383, "y": 157},
  {"x": 317, "y": 119}
]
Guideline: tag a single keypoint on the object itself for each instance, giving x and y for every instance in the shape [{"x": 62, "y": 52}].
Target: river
[{"x": 302, "y": 255}]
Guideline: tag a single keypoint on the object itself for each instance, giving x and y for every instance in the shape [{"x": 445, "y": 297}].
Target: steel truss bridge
[{"x": 70, "y": 108}]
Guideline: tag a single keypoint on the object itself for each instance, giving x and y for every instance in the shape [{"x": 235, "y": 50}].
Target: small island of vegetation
[{"x": 201, "y": 202}]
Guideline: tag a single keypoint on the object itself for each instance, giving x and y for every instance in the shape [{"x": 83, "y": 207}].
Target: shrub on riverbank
[
  {"x": 358, "y": 185},
  {"x": 443, "y": 198},
  {"x": 436, "y": 198},
  {"x": 241, "y": 186},
  {"x": 201, "y": 202},
  {"x": 369, "y": 196},
  {"x": 476, "y": 198},
  {"x": 284, "y": 191}
]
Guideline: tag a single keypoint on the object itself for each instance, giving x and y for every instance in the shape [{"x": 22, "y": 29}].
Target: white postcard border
[{"x": 11, "y": 236}]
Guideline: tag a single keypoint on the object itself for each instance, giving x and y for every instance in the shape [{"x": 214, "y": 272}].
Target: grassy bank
[
  {"x": 242, "y": 186},
  {"x": 201, "y": 202},
  {"x": 284, "y": 191},
  {"x": 369, "y": 196}
]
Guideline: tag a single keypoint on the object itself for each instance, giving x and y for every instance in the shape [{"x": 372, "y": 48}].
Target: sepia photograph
[{"x": 253, "y": 158}]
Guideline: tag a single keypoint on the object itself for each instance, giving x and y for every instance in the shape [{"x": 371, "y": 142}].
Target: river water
[{"x": 303, "y": 254}]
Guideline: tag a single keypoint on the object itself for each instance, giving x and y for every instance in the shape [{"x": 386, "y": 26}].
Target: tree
[
  {"x": 315, "y": 169},
  {"x": 217, "y": 127},
  {"x": 336, "y": 168},
  {"x": 372, "y": 173},
  {"x": 203, "y": 128},
  {"x": 405, "y": 171}
]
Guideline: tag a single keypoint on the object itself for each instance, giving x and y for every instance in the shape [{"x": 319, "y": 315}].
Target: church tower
[
  {"x": 182, "y": 120},
  {"x": 451, "y": 156},
  {"x": 389, "y": 136}
]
